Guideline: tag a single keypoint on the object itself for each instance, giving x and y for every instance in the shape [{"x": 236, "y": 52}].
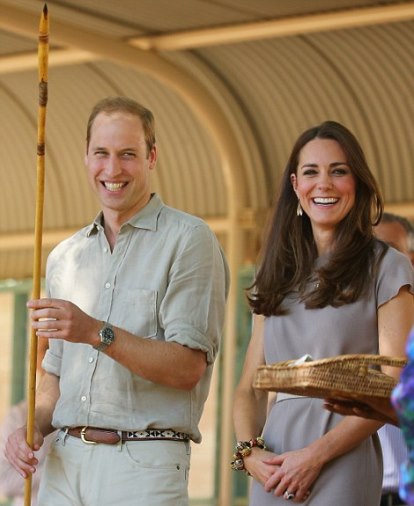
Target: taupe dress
[{"x": 355, "y": 478}]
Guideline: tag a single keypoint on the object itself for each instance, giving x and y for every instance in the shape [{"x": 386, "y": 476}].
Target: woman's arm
[
  {"x": 395, "y": 318},
  {"x": 250, "y": 405},
  {"x": 299, "y": 469}
]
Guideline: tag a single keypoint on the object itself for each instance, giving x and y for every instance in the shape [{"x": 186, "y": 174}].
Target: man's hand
[
  {"x": 19, "y": 453},
  {"x": 60, "y": 319}
]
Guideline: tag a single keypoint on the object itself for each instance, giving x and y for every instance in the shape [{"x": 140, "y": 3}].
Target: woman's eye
[
  {"x": 341, "y": 171},
  {"x": 309, "y": 172}
]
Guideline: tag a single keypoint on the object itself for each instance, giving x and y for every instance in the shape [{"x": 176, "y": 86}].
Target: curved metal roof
[{"x": 261, "y": 91}]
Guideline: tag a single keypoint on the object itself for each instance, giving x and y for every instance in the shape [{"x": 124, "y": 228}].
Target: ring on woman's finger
[{"x": 289, "y": 495}]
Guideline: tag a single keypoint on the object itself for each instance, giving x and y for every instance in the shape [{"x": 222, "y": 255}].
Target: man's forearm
[{"x": 47, "y": 395}]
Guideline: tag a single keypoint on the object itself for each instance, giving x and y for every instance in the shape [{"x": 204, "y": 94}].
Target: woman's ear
[{"x": 294, "y": 181}]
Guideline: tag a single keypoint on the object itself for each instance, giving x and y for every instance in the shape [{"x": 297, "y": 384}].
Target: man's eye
[{"x": 128, "y": 154}]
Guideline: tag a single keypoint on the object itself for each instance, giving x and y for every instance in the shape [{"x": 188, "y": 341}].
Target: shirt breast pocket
[{"x": 135, "y": 310}]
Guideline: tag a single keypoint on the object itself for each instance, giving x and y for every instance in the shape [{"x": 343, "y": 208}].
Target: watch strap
[{"x": 103, "y": 345}]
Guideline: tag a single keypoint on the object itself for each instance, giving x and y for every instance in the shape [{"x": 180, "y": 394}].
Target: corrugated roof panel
[
  {"x": 269, "y": 91},
  {"x": 386, "y": 101},
  {"x": 18, "y": 170},
  {"x": 13, "y": 44},
  {"x": 296, "y": 82}
]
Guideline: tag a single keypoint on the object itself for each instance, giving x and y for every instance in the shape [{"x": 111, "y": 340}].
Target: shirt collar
[{"x": 146, "y": 218}]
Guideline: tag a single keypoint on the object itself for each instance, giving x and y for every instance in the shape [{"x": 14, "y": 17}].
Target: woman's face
[{"x": 324, "y": 184}]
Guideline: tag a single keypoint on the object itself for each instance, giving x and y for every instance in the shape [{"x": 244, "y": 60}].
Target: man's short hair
[
  {"x": 406, "y": 224},
  {"x": 127, "y": 105}
]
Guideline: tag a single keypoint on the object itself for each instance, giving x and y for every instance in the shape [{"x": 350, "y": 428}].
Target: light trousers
[{"x": 135, "y": 473}]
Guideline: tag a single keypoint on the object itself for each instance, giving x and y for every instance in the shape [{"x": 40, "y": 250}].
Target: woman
[{"x": 325, "y": 287}]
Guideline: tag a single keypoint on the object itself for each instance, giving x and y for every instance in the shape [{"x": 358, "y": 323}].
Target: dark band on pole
[{"x": 43, "y": 93}]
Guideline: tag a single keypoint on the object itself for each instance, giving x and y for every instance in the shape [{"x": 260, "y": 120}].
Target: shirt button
[
  {"x": 107, "y": 285},
  {"x": 90, "y": 360},
  {"x": 83, "y": 398},
  {"x": 105, "y": 249}
]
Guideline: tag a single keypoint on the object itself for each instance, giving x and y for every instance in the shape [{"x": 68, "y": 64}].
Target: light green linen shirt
[{"x": 165, "y": 279}]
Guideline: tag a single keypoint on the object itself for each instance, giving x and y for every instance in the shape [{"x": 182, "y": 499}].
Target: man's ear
[{"x": 153, "y": 157}]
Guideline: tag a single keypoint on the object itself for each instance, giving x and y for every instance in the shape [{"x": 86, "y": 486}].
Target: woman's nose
[{"x": 324, "y": 181}]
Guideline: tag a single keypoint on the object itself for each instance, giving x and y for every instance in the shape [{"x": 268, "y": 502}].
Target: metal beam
[
  {"x": 231, "y": 34},
  {"x": 248, "y": 220},
  {"x": 22, "y": 241},
  {"x": 28, "y": 61},
  {"x": 281, "y": 27}
]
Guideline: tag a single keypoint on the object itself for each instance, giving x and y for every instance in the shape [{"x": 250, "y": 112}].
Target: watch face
[{"x": 107, "y": 335}]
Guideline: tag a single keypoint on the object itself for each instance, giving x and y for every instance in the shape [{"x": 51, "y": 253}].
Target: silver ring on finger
[{"x": 289, "y": 495}]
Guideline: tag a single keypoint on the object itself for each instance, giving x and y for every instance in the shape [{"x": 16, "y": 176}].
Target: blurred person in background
[
  {"x": 11, "y": 482},
  {"x": 397, "y": 232}
]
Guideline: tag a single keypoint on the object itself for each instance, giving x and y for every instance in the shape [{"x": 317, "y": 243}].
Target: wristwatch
[{"x": 107, "y": 336}]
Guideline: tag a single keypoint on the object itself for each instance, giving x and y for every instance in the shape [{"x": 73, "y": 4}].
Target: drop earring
[{"x": 299, "y": 211}]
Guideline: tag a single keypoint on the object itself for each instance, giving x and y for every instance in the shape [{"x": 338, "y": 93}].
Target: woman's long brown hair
[{"x": 289, "y": 254}]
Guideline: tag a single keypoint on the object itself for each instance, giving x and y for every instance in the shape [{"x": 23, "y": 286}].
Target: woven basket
[{"x": 348, "y": 376}]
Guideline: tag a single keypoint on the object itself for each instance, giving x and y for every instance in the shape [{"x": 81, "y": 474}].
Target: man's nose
[{"x": 113, "y": 166}]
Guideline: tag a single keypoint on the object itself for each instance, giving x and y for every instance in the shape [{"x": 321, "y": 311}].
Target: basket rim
[
  {"x": 351, "y": 359},
  {"x": 351, "y": 378}
]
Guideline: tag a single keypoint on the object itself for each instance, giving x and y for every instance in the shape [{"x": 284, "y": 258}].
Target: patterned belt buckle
[{"x": 83, "y": 436}]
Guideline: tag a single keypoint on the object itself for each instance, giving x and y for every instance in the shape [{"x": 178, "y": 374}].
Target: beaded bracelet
[{"x": 243, "y": 449}]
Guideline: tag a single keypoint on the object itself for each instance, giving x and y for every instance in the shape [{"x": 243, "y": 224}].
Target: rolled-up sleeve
[{"x": 192, "y": 311}]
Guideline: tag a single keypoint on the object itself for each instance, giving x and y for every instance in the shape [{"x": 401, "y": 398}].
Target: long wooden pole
[{"x": 43, "y": 57}]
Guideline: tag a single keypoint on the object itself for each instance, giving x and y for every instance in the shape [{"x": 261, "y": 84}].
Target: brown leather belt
[{"x": 94, "y": 435}]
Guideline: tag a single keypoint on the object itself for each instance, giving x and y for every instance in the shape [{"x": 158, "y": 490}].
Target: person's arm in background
[
  {"x": 374, "y": 408},
  {"x": 11, "y": 483}
]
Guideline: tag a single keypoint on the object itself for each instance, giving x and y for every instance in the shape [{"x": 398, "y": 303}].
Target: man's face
[
  {"x": 393, "y": 234},
  {"x": 118, "y": 164}
]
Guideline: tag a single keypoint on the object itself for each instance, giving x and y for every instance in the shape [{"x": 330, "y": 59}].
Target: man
[
  {"x": 134, "y": 313},
  {"x": 398, "y": 233}
]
